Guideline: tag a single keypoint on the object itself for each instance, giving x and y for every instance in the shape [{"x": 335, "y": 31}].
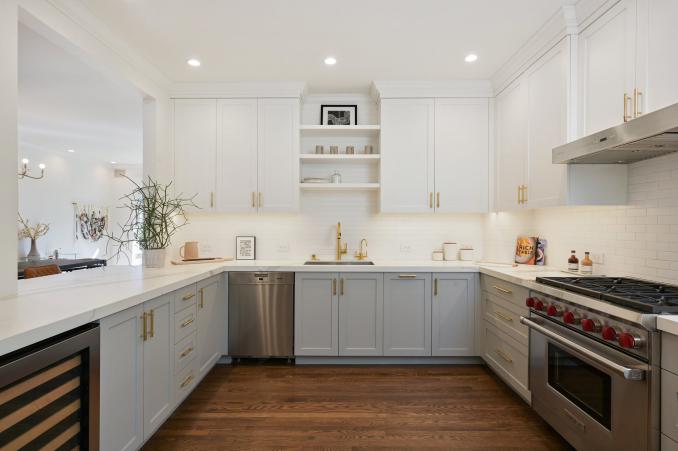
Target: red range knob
[
  {"x": 538, "y": 305},
  {"x": 554, "y": 310},
  {"x": 610, "y": 333},
  {"x": 529, "y": 302},
  {"x": 590, "y": 325},
  {"x": 571, "y": 318},
  {"x": 629, "y": 341}
]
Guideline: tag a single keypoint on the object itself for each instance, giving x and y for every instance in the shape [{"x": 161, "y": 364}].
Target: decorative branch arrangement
[
  {"x": 32, "y": 232},
  {"x": 154, "y": 217}
]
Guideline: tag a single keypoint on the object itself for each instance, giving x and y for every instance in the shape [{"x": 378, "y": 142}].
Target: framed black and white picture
[
  {"x": 338, "y": 114},
  {"x": 245, "y": 248}
]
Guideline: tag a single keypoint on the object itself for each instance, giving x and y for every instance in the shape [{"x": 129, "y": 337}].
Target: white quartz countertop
[{"x": 47, "y": 306}]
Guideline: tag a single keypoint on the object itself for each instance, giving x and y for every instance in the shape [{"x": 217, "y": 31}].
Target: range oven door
[{"x": 597, "y": 398}]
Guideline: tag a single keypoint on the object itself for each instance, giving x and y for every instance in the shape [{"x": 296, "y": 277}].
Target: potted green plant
[{"x": 154, "y": 217}]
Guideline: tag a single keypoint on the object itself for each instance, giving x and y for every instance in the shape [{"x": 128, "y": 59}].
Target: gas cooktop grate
[{"x": 636, "y": 294}]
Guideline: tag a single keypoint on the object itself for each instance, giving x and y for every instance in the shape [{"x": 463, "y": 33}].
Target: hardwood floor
[{"x": 354, "y": 407}]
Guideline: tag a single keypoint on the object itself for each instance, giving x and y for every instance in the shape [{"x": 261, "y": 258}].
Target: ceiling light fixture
[
  {"x": 330, "y": 61},
  {"x": 70, "y": 150},
  {"x": 193, "y": 62},
  {"x": 471, "y": 58},
  {"x": 114, "y": 162},
  {"x": 25, "y": 170}
]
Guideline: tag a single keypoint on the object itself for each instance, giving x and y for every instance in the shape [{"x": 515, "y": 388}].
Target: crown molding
[
  {"x": 447, "y": 88},
  {"x": 293, "y": 89}
]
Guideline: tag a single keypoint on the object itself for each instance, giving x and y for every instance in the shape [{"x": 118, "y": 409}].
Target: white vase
[{"x": 154, "y": 258}]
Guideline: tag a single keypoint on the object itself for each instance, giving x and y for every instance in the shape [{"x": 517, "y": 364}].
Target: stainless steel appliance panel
[{"x": 261, "y": 314}]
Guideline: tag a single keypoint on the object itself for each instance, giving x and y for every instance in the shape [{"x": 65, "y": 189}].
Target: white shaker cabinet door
[
  {"x": 453, "y": 314},
  {"x": 547, "y": 82},
  {"x": 316, "y": 309},
  {"x": 461, "y": 155},
  {"x": 195, "y": 142},
  {"x": 361, "y": 316},
  {"x": 212, "y": 320},
  {"x": 607, "y": 69},
  {"x": 511, "y": 144},
  {"x": 407, "y": 314},
  {"x": 121, "y": 381},
  {"x": 236, "y": 162},
  {"x": 407, "y": 157},
  {"x": 158, "y": 363},
  {"x": 278, "y": 155}
]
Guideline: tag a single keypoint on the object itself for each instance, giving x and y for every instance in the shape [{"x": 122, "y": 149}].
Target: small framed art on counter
[{"x": 245, "y": 248}]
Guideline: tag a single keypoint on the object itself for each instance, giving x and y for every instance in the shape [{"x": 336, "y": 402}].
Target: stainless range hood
[{"x": 649, "y": 136}]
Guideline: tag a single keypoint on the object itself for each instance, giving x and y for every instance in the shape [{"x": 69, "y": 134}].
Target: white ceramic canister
[
  {"x": 437, "y": 255},
  {"x": 466, "y": 254},
  {"x": 450, "y": 251}
]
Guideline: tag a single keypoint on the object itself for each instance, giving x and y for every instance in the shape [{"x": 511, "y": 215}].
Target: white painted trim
[
  {"x": 432, "y": 89},
  {"x": 389, "y": 361},
  {"x": 230, "y": 90}
]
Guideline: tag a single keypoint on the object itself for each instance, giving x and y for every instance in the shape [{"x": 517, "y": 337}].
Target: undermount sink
[{"x": 325, "y": 262}]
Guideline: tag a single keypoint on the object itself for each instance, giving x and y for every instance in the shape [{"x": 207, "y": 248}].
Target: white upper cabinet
[
  {"x": 547, "y": 112},
  {"x": 511, "y": 145},
  {"x": 278, "y": 155},
  {"x": 236, "y": 155},
  {"x": 195, "y": 143},
  {"x": 461, "y": 155},
  {"x": 657, "y": 66},
  {"x": 607, "y": 69},
  {"x": 407, "y": 127}
]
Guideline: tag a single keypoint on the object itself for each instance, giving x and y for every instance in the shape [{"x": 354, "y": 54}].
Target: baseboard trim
[{"x": 389, "y": 361}]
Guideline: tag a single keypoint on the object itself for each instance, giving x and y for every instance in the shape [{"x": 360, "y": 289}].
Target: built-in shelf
[
  {"x": 338, "y": 157},
  {"x": 339, "y": 186},
  {"x": 339, "y": 128}
]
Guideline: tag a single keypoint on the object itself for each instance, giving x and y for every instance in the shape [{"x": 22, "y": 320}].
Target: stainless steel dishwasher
[{"x": 261, "y": 314}]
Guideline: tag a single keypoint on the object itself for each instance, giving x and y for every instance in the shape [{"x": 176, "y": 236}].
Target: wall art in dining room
[
  {"x": 90, "y": 222},
  {"x": 338, "y": 114}
]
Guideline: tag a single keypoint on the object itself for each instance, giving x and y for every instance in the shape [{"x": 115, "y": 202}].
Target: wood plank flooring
[{"x": 354, "y": 407}]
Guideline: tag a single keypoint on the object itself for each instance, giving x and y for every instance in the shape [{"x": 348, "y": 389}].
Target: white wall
[
  {"x": 69, "y": 178},
  {"x": 639, "y": 240},
  {"x": 8, "y": 144}
]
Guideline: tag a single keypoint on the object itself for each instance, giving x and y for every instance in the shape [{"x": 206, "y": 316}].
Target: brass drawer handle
[
  {"x": 435, "y": 287},
  {"x": 503, "y": 316},
  {"x": 636, "y": 103},
  {"x": 187, "y": 381},
  {"x": 202, "y": 298},
  {"x": 438, "y": 199},
  {"x": 407, "y": 276},
  {"x": 503, "y": 290},
  {"x": 341, "y": 286},
  {"x": 430, "y": 200},
  {"x": 627, "y": 100},
  {"x": 334, "y": 287},
  {"x": 261, "y": 199},
  {"x": 152, "y": 332},
  {"x": 187, "y": 323},
  {"x": 144, "y": 327},
  {"x": 503, "y": 355},
  {"x": 188, "y": 297},
  {"x": 186, "y": 352},
  {"x": 254, "y": 200}
]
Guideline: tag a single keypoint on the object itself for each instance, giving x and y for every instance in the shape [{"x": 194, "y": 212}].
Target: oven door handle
[{"x": 632, "y": 374}]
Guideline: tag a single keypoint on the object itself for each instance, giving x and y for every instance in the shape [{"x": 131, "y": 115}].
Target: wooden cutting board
[{"x": 196, "y": 262}]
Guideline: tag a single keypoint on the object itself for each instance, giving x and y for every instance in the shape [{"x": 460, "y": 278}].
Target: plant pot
[
  {"x": 154, "y": 258},
  {"x": 33, "y": 254}
]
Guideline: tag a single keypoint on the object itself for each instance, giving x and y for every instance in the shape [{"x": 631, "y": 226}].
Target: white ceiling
[
  {"x": 65, "y": 103},
  {"x": 287, "y": 40}
]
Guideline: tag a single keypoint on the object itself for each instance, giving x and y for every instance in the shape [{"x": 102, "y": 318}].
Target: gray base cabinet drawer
[
  {"x": 184, "y": 352},
  {"x": 669, "y": 405},
  {"x": 505, "y": 316},
  {"x": 184, "y": 324},
  {"x": 670, "y": 352},
  {"x": 185, "y": 297},
  {"x": 508, "y": 358},
  {"x": 511, "y": 292},
  {"x": 185, "y": 381}
]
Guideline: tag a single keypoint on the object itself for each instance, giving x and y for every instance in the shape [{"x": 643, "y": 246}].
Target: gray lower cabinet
[
  {"x": 212, "y": 320},
  {"x": 316, "y": 311},
  {"x": 453, "y": 314},
  {"x": 361, "y": 304},
  {"x": 407, "y": 314}
]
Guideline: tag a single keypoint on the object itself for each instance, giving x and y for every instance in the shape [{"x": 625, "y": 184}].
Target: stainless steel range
[{"x": 594, "y": 359}]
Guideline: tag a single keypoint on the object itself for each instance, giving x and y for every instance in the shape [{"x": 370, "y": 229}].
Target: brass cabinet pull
[
  {"x": 202, "y": 298},
  {"x": 144, "y": 327},
  {"x": 152, "y": 315},
  {"x": 261, "y": 199},
  {"x": 188, "y": 297},
  {"x": 524, "y": 194},
  {"x": 520, "y": 194},
  {"x": 503, "y": 355},
  {"x": 186, "y": 352},
  {"x": 627, "y": 116},
  {"x": 187, "y": 323},
  {"x": 187, "y": 381},
  {"x": 503, "y": 290},
  {"x": 407, "y": 276},
  {"x": 212, "y": 199},
  {"x": 341, "y": 286},
  {"x": 438, "y": 199},
  {"x": 254, "y": 199},
  {"x": 636, "y": 103},
  {"x": 430, "y": 200},
  {"x": 503, "y": 316},
  {"x": 334, "y": 287},
  {"x": 435, "y": 287}
]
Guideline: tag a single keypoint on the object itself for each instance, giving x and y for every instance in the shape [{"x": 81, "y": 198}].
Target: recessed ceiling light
[
  {"x": 471, "y": 57},
  {"x": 330, "y": 61},
  {"x": 193, "y": 62},
  {"x": 70, "y": 150},
  {"x": 114, "y": 162}
]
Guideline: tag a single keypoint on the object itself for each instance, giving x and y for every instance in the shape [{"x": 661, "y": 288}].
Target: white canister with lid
[
  {"x": 450, "y": 251},
  {"x": 466, "y": 253},
  {"x": 437, "y": 255}
]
